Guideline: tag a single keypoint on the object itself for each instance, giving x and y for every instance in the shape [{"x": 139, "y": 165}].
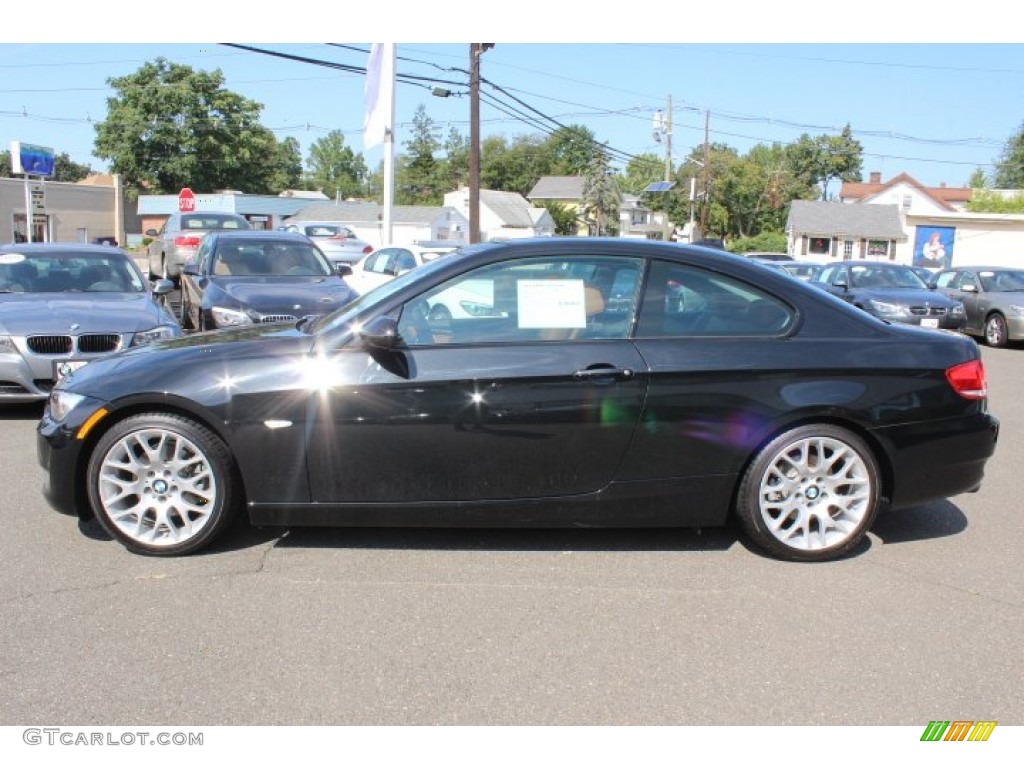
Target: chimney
[{"x": 876, "y": 177}]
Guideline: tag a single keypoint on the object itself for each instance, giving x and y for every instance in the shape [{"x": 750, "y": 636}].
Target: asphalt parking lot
[{"x": 397, "y": 627}]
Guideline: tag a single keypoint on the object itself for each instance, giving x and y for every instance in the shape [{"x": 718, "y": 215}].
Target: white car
[
  {"x": 389, "y": 262},
  {"x": 338, "y": 242}
]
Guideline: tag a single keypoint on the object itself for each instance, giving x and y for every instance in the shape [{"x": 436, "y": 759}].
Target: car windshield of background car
[{"x": 1008, "y": 280}]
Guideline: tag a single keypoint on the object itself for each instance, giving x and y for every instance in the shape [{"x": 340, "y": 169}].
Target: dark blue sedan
[{"x": 241, "y": 278}]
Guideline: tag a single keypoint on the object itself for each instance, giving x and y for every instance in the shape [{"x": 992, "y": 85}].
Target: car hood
[
  {"x": 58, "y": 313},
  {"x": 198, "y": 364},
  {"x": 909, "y": 296},
  {"x": 287, "y": 295}
]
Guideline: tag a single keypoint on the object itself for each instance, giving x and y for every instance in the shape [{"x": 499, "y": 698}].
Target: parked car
[
  {"x": 993, "y": 299},
  {"x": 389, "y": 262},
  {"x": 242, "y": 278},
  {"x": 552, "y": 409},
  {"x": 65, "y": 304},
  {"x": 768, "y": 256},
  {"x": 178, "y": 240},
  {"x": 891, "y": 292},
  {"x": 802, "y": 270},
  {"x": 339, "y": 243}
]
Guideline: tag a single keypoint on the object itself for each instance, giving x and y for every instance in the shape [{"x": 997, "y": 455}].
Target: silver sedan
[{"x": 64, "y": 304}]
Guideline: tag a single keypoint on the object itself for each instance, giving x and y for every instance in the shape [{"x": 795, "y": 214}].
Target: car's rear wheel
[
  {"x": 811, "y": 494},
  {"x": 995, "y": 331},
  {"x": 161, "y": 484}
]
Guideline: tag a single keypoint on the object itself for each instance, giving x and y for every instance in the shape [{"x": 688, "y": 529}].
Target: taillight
[
  {"x": 186, "y": 242},
  {"x": 968, "y": 380},
  {"x": 368, "y": 249}
]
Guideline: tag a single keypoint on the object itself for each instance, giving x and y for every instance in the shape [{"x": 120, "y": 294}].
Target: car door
[
  {"x": 719, "y": 352},
  {"x": 967, "y": 288},
  {"x": 535, "y": 396}
]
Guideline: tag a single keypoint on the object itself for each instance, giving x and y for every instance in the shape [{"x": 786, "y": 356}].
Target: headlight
[
  {"x": 225, "y": 318},
  {"x": 887, "y": 309},
  {"x": 476, "y": 309},
  {"x": 7, "y": 346},
  {"x": 155, "y": 334},
  {"x": 61, "y": 403},
  {"x": 957, "y": 311}
]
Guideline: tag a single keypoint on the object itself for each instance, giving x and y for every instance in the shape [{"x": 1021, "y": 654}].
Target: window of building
[
  {"x": 878, "y": 248},
  {"x": 820, "y": 245}
]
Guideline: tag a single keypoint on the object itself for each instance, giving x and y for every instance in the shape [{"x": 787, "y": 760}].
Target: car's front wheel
[
  {"x": 811, "y": 494},
  {"x": 161, "y": 484},
  {"x": 995, "y": 331}
]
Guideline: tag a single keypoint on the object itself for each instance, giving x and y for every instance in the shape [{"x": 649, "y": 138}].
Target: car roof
[
  {"x": 258, "y": 234},
  {"x": 65, "y": 250}
]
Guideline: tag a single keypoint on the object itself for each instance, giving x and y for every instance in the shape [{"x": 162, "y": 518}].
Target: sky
[{"x": 936, "y": 111}]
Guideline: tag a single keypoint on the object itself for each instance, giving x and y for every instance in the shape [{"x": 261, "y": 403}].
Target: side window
[
  {"x": 967, "y": 278},
  {"x": 203, "y": 255},
  {"x": 946, "y": 279},
  {"x": 681, "y": 300},
  {"x": 378, "y": 263},
  {"x": 534, "y": 300},
  {"x": 404, "y": 261},
  {"x": 824, "y": 275}
]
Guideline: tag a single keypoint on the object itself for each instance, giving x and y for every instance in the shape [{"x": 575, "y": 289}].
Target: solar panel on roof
[{"x": 660, "y": 186}]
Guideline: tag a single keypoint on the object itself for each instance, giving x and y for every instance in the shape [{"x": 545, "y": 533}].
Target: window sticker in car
[{"x": 551, "y": 303}]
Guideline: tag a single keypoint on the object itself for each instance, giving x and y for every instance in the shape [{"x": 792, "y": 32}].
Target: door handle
[{"x": 603, "y": 372}]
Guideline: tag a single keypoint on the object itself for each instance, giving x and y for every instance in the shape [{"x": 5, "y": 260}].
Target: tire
[
  {"x": 811, "y": 494},
  {"x": 995, "y": 331},
  {"x": 161, "y": 484}
]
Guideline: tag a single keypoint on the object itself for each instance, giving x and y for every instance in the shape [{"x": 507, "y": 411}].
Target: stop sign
[{"x": 186, "y": 200}]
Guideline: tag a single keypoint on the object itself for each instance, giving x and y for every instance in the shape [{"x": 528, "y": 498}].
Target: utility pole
[
  {"x": 475, "y": 51},
  {"x": 707, "y": 171}
]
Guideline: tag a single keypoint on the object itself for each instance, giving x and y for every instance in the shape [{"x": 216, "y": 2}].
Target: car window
[
  {"x": 74, "y": 273},
  {"x": 528, "y": 300},
  {"x": 946, "y": 279},
  {"x": 235, "y": 258},
  {"x": 404, "y": 261},
  {"x": 681, "y": 300}
]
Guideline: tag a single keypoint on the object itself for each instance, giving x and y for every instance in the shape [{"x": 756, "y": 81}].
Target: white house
[
  {"x": 504, "y": 215},
  {"x": 938, "y": 214}
]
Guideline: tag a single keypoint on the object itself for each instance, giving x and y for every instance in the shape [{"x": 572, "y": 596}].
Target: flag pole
[{"x": 379, "y": 124}]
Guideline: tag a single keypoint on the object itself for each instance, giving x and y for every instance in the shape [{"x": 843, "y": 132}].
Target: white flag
[{"x": 379, "y": 94}]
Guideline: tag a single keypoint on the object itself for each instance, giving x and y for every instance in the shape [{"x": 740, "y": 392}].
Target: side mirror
[
  {"x": 163, "y": 287},
  {"x": 190, "y": 268},
  {"x": 969, "y": 288},
  {"x": 380, "y": 332},
  {"x": 841, "y": 283},
  {"x": 345, "y": 270}
]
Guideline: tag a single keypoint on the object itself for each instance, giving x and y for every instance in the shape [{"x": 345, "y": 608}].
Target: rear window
[{"x": 209, "y": 221}]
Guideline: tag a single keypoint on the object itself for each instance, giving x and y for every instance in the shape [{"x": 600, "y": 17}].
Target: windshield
[
  {"x": 1002, "y": 280},
  {"x": 327, "y": 230},
  {"x": 885, "y": 277},
  {"x": 72, "y": 273},
  {"x": 238, "y": 257}
]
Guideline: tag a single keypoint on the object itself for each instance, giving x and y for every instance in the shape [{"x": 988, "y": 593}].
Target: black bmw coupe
[{"x": 584, "y": 382}]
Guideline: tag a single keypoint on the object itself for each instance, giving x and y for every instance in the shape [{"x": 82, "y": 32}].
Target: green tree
[
  {"x": 334, "y": 168},
  {"x": 418, "y": 174},
  {"x": 564, "y": 217},
  {"x": 823, "y": 159},
  {"x": 514, "y": 166},
  {"x": 169, "y": 126},
  {"x": 991, "y": 201},
  {"x": 978, "y": 179},
  {"x": 572, "y": 150},
  {"x": 287, "y": 173},
  {"x": 455, "y": 167},
  {"x": 601, "y": 197},
  {"x": 1010, "y": 166}
]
